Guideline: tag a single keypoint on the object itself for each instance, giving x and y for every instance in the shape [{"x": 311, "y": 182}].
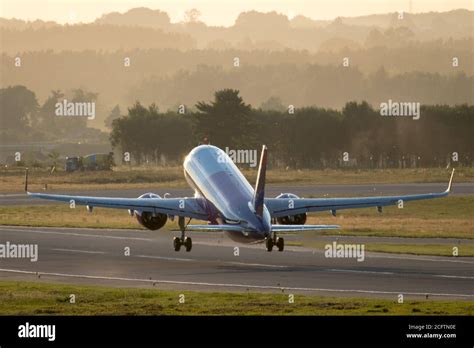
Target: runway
[
  {"x": 19, "y": 198},
  {"x": 97, "y": 256}
]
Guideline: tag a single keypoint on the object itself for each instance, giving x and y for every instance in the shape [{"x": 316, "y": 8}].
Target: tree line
[
  {"x": 309, "y": 137},
  {"x": 176, "y": 80}
]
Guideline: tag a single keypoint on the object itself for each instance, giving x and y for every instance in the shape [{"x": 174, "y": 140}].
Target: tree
[
  {"x": 75, "y": 126},
  {"x": 126, "y": 130},
  {"x": 148, "y": 135},
  {"x": 46, "y": 118},
  {"x": 375, "y": 38},
  {"x": 226, "y": 121},
  {"x": 192, "y": 16},
  {"x": 17, "y": 105},
  {"x": 273, "y": 103},
  {"x": 114, "y": 114}
]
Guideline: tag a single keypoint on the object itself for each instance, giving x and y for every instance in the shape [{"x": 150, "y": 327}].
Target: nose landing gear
[{"x": 183, "y": 241}]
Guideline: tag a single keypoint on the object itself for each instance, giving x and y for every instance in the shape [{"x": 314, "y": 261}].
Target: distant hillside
[
  {"x": 19, "y": 24},
  {"x": 141, "y": 55},
  {"x": 251, "y": 30},
  {"x": 141, "y": 17}
]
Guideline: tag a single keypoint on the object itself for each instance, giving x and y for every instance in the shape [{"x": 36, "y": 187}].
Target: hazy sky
[{"x": 217, "y": 12}]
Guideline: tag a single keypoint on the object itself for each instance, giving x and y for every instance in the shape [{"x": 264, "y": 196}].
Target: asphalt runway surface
[
  {"x": 19, "y": 198},
  {"x": 97, "y": 256}
]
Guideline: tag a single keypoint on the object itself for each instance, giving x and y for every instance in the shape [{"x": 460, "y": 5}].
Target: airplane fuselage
[{"x": 215, "y": 177}]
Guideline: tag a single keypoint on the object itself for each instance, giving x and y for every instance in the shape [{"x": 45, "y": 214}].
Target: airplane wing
[
  {"x": 188, "y": 207},
  {"x": 292, "y": 206}
]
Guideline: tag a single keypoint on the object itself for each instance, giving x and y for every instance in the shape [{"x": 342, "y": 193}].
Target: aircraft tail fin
[
  {"x": 26, "y": 180},
  {"x": 259, "y": 195},
  {"x": 450, "y": 182}
]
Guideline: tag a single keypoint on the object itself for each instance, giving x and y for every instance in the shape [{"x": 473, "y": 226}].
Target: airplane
[{"x": 225, "y": 199}]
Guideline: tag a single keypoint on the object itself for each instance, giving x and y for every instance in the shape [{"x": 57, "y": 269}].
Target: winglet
[
  {"x": 26, "y": 180},
  {"x": 450, "y": 181},
  {"x": 260, "y": 185}
]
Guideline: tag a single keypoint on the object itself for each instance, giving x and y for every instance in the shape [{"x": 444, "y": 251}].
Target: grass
[
  {"x": 12, "y": 180},
  {"x": 122, "y": 177},
  {"x": 464, "y": 250},
  {"x": 62, "y": 216},
  {"x": 428, "y": 249},
  {"x": 30, "y": 298}
]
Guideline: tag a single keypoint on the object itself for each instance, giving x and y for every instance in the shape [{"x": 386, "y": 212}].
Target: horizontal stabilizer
[
  {"x": 212, "y": 228},
  {"x": 294, "y": 228}
]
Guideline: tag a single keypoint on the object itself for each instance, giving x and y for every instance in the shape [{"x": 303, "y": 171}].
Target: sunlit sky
[{"x": 217, "y": 12}]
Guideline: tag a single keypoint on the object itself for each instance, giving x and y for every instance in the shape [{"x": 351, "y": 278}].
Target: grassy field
[
  {"x": 29, "y": 298},
  {"x": 11, "y": 179}
]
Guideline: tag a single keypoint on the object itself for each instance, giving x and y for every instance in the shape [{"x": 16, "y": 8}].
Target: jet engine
[
  {"x": 152, "y": 221},
  {"x": 298, "y": 219}
]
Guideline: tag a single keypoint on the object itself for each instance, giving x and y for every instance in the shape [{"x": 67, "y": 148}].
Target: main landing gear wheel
[
  {"x": 269, "y": 243},
  {"x": 177, "y": 243},
  {"x": 280, "y": 243},
  {"x": 188, "y": 243}
]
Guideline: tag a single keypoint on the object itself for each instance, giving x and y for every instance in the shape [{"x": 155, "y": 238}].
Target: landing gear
[
  {"x": 269, "y": 243},
  {"x": 188, "y": 243},
  {"x": 183, "y": 241},
  {"x": 177, "y": 243},
  {"x": 278, "y": 242}
]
